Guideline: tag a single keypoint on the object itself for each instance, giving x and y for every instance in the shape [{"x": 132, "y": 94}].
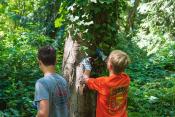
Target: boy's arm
[
  {"x": 42, "y": 99},
  {"x": 87, "y": 73},
  {"x": 44, "y": 109},
  {"x": 91, "y": 82},
  {"x": 94, "y": 83}
]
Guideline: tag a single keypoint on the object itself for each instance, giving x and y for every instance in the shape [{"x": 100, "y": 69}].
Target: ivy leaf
[
  {"x": 94, "y": 1},
  {"x": 88, "y": 23},
  {"x": 106, "y": 1},
  {"x": 58, "y": 22}
]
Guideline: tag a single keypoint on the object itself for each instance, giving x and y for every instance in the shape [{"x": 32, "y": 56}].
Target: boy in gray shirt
[{"x": 51, "y": 91}]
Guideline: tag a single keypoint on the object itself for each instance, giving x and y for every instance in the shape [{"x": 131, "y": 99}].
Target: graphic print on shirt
[
  {"x": 116, "y": 99},
  {"x": 60, "y": 94}
]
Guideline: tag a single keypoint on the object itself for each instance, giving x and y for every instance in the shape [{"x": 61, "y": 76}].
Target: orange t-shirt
[{"x": 112, "y": 95}]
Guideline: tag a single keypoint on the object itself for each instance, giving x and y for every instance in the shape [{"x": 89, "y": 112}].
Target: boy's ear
[
  {"x": 110, "y": 67},
  {"x": 39, "y": 61}
]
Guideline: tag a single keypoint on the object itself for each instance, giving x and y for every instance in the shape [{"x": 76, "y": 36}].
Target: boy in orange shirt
[{"x": 112, "y": 90}]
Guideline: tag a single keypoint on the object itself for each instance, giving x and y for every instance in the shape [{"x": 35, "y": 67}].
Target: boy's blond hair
[{"x": 119, "y": 60}]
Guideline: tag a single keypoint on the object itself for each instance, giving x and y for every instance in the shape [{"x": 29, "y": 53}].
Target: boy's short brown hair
[
  {"x": 47, "y": 55},
  {"x": 119, "y": 60}
]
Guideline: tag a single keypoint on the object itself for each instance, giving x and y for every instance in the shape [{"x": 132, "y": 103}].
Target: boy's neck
[
  {"x": 111, "y": 73},
  {"x": 49, "y": 69}
]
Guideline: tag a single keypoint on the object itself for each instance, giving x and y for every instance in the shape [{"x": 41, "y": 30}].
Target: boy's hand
[
  {"x": 82, "y": 86},
  {"x": 84, "y": 81},
  {"x": 87, "y": 70},
  {"x": 86, "y": 64}
]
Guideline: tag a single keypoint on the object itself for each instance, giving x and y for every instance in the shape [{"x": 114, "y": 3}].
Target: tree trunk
[
  {"x": 80, "y": 105},
  {"x": 131, "y": 16}
]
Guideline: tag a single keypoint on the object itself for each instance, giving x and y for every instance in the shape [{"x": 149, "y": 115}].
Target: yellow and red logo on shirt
[{"x": 116, "y": 99}]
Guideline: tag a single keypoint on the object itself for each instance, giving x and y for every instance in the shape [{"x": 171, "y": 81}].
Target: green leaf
[
  {"x": 94, "y": 1},
  {"x": 106, "y": 1},
  {"x": 59, "y": 22}
]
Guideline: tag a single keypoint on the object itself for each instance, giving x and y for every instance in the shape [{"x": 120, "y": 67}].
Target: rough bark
[{"x": 80, "y": 105}]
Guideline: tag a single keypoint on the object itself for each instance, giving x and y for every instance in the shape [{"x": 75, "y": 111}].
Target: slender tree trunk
[
  {"x": 131, "y": 16},
  {"x": 80, "y": 105}
]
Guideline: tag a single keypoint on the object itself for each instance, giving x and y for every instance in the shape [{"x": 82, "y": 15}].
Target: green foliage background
[{"x": 27, "y": 25}]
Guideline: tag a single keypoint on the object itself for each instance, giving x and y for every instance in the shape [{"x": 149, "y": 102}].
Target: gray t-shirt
[{"x": 53, "y": 87}]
